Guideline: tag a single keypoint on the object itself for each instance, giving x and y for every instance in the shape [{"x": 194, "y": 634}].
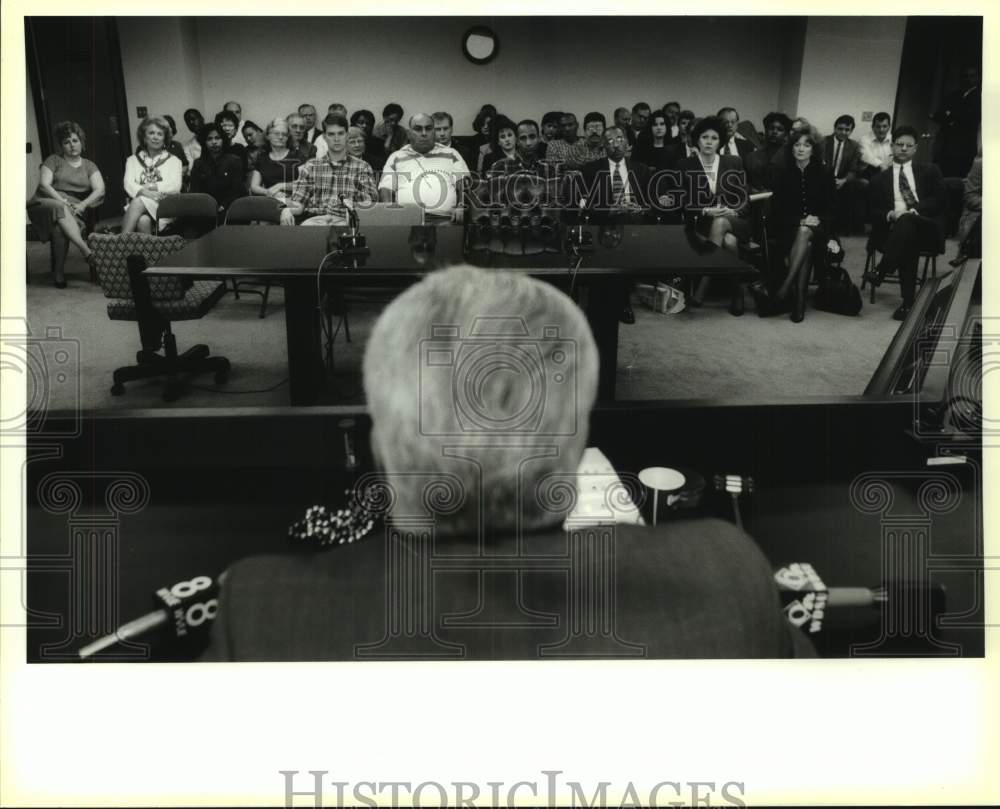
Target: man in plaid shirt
[{"x": 324, "y": 180}]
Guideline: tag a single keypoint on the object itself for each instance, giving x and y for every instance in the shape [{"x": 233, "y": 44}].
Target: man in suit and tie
[
  {"x": 617, "y": 190},
  {"x": 735, "y": 144},
  {"x": 908, "y": 202},
  {"x": 843, "y": 156}
]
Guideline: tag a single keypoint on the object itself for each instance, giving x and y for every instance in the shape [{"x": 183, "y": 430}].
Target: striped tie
[
  {"x": 617, "y": 186},
  {"x": 905, "y": 191}
]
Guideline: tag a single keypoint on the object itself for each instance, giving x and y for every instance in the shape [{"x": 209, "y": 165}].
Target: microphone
[
  {"x": 579, "y": 239},
  {"x": 188, "y": 606},
  {"x": 352, "y": 243}
]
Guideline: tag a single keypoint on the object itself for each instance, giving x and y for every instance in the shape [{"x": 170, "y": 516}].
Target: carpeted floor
[{"x": 698, "y": 353}]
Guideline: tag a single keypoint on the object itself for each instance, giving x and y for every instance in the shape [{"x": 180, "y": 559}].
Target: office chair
[
  {"x": 246, "y": 211},
  {"x": 194, "y": 215},
  {"x": 871, "y": 261},
  {"x": 154, "y": 302}
]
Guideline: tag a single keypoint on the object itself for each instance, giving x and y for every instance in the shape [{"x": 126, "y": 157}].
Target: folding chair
[{"x": 246, "y": 211}]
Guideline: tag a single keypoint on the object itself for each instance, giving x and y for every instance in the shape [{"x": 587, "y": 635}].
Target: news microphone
[
  {"x": 189, "y": 607},
  {"x": 352, "y": 243},
  {"x": 805, "y": 598}
]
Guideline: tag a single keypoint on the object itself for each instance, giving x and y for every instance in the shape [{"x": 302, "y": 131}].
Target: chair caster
[{"x": 117, "y": 389}]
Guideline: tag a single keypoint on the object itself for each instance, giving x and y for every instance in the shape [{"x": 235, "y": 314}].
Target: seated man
[
  {"x": 735, "y": 144},
  {"x": 843, "y": 156},
  {"x": 324, "y": 183},
  {"x": 591, "y": 146},
  {"x": 525, "y": 175},
  {"x": 424, "y": 173},
  {"x": 462, "y": 495},
  {"x": 319, "y": 146},
  {"x": 908, "y": 202},
  {"x": 876, "y": 147}
]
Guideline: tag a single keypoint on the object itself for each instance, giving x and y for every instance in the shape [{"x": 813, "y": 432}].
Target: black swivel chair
[
  {"x": 154, "y": 303},
  {"x": 193, "y": 214}
]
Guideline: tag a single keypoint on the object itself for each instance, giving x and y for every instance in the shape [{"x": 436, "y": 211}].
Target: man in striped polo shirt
[{"x": 424, "y": 173}]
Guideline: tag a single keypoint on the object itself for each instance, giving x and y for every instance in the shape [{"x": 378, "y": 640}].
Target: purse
[{"x": 837, "y": 293}]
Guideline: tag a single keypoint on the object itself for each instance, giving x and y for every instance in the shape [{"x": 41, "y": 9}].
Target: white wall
[
  {"x": 850, "y": 65},
  {"x": 270, "y": 65}
]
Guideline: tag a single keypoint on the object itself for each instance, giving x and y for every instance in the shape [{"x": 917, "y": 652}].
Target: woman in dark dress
[
  {"x": 374, "y": 153},
  {"x": 217, "y": 172},
  {"x": 256, "y": 144},
  {"x": 503, "y": 143},
  {"x": 652, "y": 146},
  {"x": 277, "y": 168},
  {"x": 801, "y": 211},
  {"x": 715, "y": 191},
  {"x": 229, "y": 124}
]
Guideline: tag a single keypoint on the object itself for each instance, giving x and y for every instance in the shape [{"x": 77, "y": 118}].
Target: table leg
[
  {"x": 302, "y": 329},
  {"x": 604, "y": 305}
]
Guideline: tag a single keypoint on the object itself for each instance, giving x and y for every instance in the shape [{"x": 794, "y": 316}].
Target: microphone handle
[{"x": 133, "y": 629}]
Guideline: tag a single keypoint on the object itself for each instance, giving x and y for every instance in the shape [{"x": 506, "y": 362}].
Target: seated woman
[
  {"x": 69, "y": 184},
  {"x": 716, "y": 197},
  {"x": 256, "y": 143},
  {"x": 217, "y": 172},
  {"x": 278, "y": 167},
  {"x": 801, "y": 213},
  {"x": 357, "y": 145},
  {"x": 503, "y": 143},
  {"x": 374, "y": 147},
  {"x": 481, "y": 138},
  {"x": 652, "y": 146},
  {"x": 230, "y": 123},
  {"x": 149, "y": 175}
]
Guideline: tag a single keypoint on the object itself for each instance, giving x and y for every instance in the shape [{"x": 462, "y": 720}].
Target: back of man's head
[{"x": 484, "y": 381}]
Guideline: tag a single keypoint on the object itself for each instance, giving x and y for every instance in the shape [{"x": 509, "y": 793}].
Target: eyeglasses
[{"x": 615, "y": 139}]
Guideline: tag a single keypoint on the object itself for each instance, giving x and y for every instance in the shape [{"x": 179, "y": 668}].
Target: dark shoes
[
  {"x": 627, "y": 316},
  {"x": 59, "y": 284},
  {"x": 873, "y": 277},
  {"x": 902, "y": 312}
]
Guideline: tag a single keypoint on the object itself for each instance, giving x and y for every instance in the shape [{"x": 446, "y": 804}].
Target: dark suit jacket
[
  {"x": 595, "y": 183},
  {"x": 931, "y": 193},
  {"x": 789, "y": 205},
  {"x": 743, "y": 146},
  {"x": 850, "y": 157},
  {"x": 730, "y": 187},
  {"x": 699, "y": 589}
]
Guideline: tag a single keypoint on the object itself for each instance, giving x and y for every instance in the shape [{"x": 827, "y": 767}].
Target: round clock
[{"x": 480, "y": 44}]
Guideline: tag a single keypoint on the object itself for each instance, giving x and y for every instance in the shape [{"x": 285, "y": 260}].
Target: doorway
[{"x": 75, "y": 74}]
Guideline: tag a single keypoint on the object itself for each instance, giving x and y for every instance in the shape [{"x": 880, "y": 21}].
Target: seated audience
[
  {"x": 503, "y": 143},
  {"x": 733, "y": 143},
  {"x": 237, "y": 111},
  {"x": 759, "y": 163},
  {"x": 876, "y": 147},
  {"x": 68, "y": 185},
  {"x": 217, "y": 172},
  {"x": 194, "y": 121},
  {"x": 507, "y": 183},
  {"x": 256, "y": 143},
  {"x": 176, "y": 149},
  {"x": 673, "y": 112},
  {"x": 653, "y": 144},
  {"x": 312, "y": 132},
  {"x": 481, "y": 132},
  {"x": 356, "y": 145},
  {"x": 374, "y": 147},
  {"x": 640, "y": 116},
  {"x": 444, "y": 127},
  {"x": 558, "y": 150},
  {"x": 337, "y": 109},
  {"x": 527, "y": 158},
  {"x": 801, "y": 214},
  {"x": 591, "y": 146},
  {"x": 323, "y": 181},
  {"x": 550, "y": 127},
  {"x": 843, "y": 156},
  {"x": 668, "y": 580},
  {"x": 297, "y": 139},
  {"x": 424, "y": 173},
  {"x": 229, "y": 123},
  {"x": 390, "y": 132},
  {"x": 715, "y": 193},
  {"x": 908, "y": 203},
  {"x": 149, "y": 176},
  {"x": 278, "y": 167},
  {"x": 623, "y": 120}
]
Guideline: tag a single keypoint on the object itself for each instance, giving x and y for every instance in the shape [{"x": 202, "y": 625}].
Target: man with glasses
[
  {"x": 908, "y": 202},
  {"x": 591, "y": 146}
]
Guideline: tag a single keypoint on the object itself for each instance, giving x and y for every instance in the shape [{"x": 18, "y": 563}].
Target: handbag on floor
[{"x": 837, "y": 293}]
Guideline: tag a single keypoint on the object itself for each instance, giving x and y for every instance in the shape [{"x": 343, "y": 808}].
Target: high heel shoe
[{"x": 799, "y": 306}]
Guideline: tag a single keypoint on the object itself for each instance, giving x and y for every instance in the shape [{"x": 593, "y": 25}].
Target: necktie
[
  {"x": 905, "y": 191},
  {"x": 836, "y": 159},
  {"x": 617, "y": 186}
]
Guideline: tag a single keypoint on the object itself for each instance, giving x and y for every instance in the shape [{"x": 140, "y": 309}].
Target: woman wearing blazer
[
  {"x": 716, "y": 196},
  {"x": 802, "y": 212}
]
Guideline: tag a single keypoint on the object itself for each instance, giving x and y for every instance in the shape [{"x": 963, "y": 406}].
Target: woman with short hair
[
  {"x": 503, "y": 143},
  {"x": 278, "y": 167},
  {"x": 68, "y": 185},
  {"x": 230, "y": 127},
  {"x": 149, "y": 175}
]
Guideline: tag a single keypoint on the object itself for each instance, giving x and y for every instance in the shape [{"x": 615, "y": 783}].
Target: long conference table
[{"x": 400, "y": 255}]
